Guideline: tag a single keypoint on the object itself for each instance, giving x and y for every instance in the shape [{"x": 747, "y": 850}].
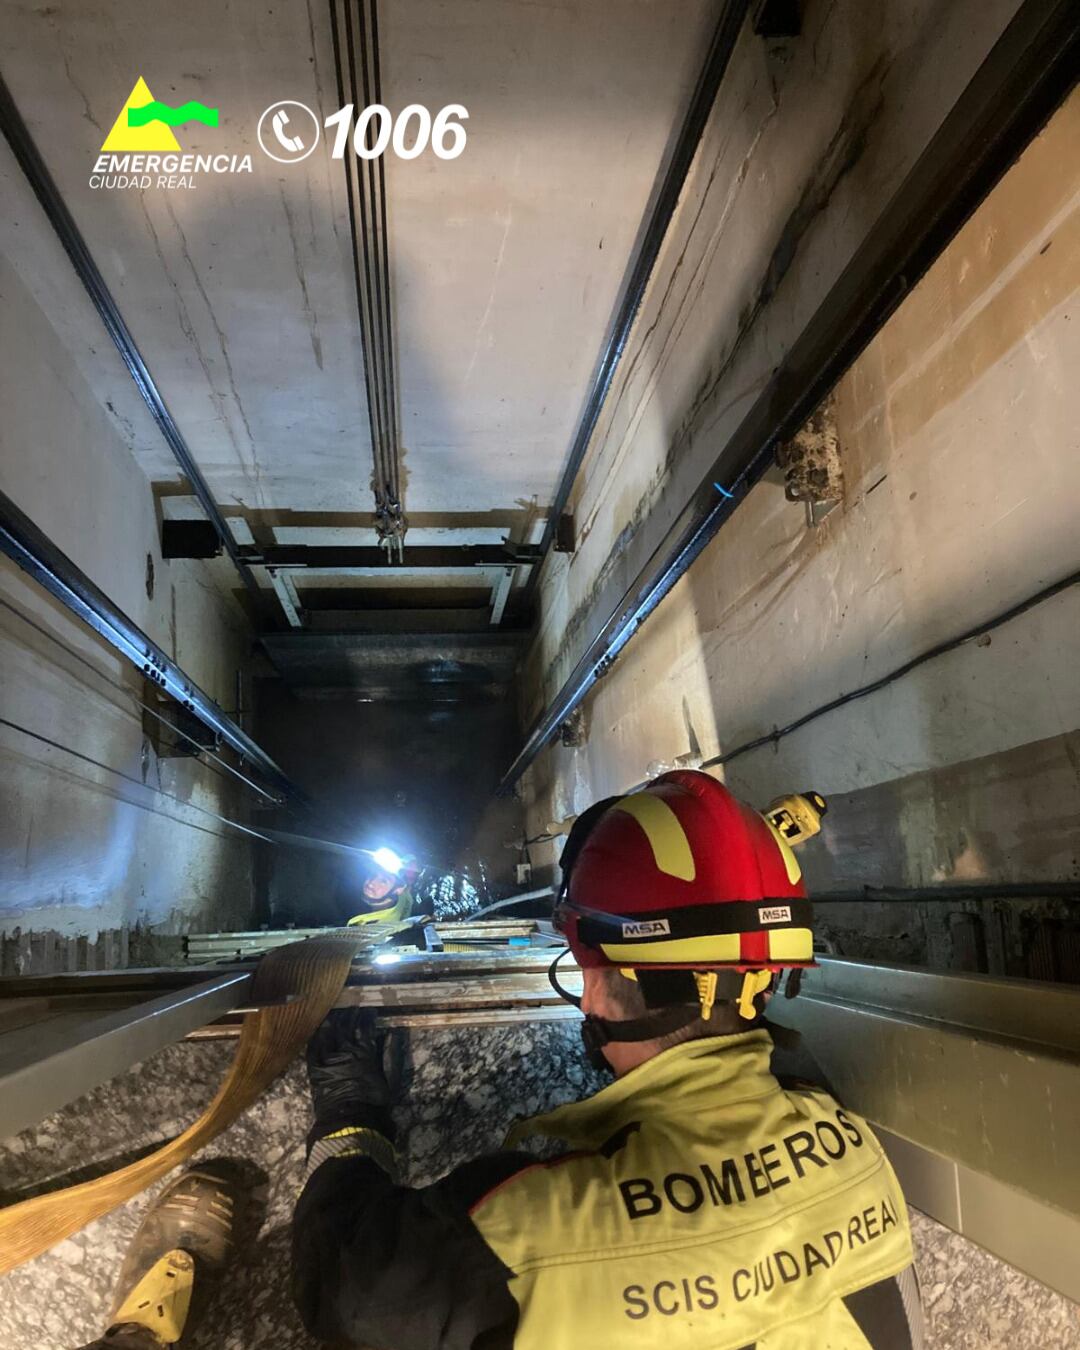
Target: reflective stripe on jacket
[
  {"x": 702, "y": 1206},
  {"x": 705, "y": 1204}
]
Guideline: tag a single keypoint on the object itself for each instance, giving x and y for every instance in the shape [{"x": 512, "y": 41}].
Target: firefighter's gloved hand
[{"x": 349, "y": 1085}]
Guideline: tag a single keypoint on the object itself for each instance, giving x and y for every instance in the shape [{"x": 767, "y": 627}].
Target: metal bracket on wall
[
  {"x": 286, "y": 592},
  {"x": 500, "y": 593},
  {"x": 565, "y": 534},
  {"x": 777, "y": 18},
  {"x": 189, "y": 539}
]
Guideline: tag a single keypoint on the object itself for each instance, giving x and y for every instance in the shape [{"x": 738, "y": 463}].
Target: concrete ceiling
[{"x": 506, "y": 263}]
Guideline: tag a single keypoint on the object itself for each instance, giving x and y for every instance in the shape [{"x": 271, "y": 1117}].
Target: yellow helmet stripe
[
  {"x": 791, "y": 863},
  {"x": 791, "y": 944},
  {"x": 667, "y": 838},
  {"x": 716, "y": 947}
]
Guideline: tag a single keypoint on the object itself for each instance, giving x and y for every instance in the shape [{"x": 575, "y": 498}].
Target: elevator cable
[
  {"x": 941, "y": 649},
  {"x": 355, "y": 35},
  {"x": 115, "y": 684},
  {"x": 148, "y": 787}
]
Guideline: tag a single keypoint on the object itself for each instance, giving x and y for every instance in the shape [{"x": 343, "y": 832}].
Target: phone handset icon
[{"x": 280, "y": 121}]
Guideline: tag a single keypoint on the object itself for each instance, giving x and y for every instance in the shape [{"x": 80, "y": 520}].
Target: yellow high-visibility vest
[
  {"x": 395, "y": 913},
  {"x": 708, "y": 1208}
]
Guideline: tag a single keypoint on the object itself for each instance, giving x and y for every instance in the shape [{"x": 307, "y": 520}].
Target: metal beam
[
  {"x": 59, "y": 1055},
  {"x": 712, "y": 73},
  {"x": 1025, "y": 77},
  {"x": 347, "y": 557},
  {"x": 974, "y": 1082},
  {"x": 500, "y": 593},
  {"x": 27, "y": 546},
  {"x": 285, "y": 590},
  {"x": 62, "y": 221}
]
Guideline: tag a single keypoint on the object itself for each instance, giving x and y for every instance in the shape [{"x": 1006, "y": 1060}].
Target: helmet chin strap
[{"x": 596, "y": 1032}]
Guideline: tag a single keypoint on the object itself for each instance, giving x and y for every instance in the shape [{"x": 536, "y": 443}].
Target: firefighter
[
  {"x": 698, "y": 1202},
  {"x": 386, "y": 894}
]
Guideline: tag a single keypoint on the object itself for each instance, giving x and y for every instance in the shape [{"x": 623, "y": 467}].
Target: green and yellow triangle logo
[
  {"x": 144, "y": 123},
  {"x": 124, "y": 138}
]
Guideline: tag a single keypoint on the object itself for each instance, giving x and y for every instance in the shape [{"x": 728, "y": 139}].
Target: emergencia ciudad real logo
[{"x": 142, "y": 151}]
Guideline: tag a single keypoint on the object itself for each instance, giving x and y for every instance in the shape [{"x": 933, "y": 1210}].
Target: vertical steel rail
[
  {"x": 667, "y": 199},
  {"x": 29, "y": 547}
]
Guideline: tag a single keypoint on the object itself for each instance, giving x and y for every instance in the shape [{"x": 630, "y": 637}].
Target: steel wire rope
[
  {"x": 384, "y": 262},
  {"x": 931, "y": 653},
  {"x": 115, "y": 684},
  {"x": 354, "y": 183},
  {"x": 367, "y": 294},
  {"x": 137, "y": 782}
]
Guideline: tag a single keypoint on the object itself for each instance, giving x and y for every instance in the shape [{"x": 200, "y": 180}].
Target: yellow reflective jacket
[
  {"x": 395, "y": 913},
  {"x": 707, "y": 1206},
  {"x": 703, "y": 1206}
]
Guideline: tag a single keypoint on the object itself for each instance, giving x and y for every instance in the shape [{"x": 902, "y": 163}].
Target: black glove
[{"x": 345, "y": 1069}]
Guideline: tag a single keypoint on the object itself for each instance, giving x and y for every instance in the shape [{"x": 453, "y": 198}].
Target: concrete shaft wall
[
  {"x": 82, "y": 849},
  {"x": 958, "y": 441}
]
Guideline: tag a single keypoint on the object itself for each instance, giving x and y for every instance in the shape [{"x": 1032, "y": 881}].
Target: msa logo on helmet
[
  {"x": 774, "y": 914},
  {"x": 646, "y": 928}
]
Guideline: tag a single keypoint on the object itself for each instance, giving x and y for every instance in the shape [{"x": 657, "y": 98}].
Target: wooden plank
[
  {"x": 478, "y": 991},
  {"x": 431, "y": 1020}
]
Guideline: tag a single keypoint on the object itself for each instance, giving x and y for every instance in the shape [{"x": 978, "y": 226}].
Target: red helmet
[{"x": 683, "y": 876}]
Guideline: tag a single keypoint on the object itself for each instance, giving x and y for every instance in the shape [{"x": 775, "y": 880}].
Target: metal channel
[
  {"x": 62, "y": 221},
  {"x": 54, "y": 1060},
  {"x": 1027, "y": 1010},
  {"x": 667, "y": 199},
  {"x": 26, "y": 545},
  {"x": 344, "y": 557},
  {"x": 973, "y": 1084},
  {"x": 1027, "y": 74}
]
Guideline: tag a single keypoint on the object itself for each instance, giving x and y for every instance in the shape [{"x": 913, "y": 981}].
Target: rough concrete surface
[
  {"x": 959, "y": 449},
  {"x": 456, "y": 1106},
  {"x": 96, "y": 830},
  {"x": 241, "y": 291}
]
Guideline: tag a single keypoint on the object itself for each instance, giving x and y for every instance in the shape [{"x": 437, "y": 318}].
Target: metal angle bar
[
  {"x": 27, "y": 546},
  {"x": 500, "y": 593},
  {"x": 1025, "y": 77},
  {"x": 343, "y": 557},
  {"x": 46, "y": 1065},
  {"x": 697, "y": 115},
  {"x": 1027, "y": 1010},
  {"x": 426, "y": 1021},
  {"x": 285, "y": 591},
  {"x": 62, "y": 221},
  {"x": 967, "y": 1051}
]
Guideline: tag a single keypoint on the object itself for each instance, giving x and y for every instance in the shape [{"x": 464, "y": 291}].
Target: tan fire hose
[{"x": 310, "y": 975}]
